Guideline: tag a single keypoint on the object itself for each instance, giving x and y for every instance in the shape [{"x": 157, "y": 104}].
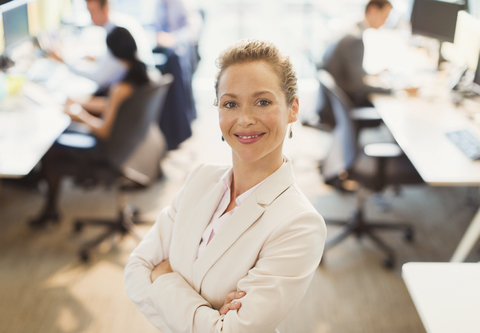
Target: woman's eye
[
  {"x": 263, "y": 102},
  {"x": 230, "y": 105}
]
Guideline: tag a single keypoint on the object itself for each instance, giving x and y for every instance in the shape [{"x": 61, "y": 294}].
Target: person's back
[
  {"x": 344, "y": 58},
  {"x": 136, "y": 30}
]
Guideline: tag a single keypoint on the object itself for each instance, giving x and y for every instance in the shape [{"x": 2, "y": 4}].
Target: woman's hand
[
  {"x": 229, "y": 305},
  {"x": 162, "y": 268},
  {"x": 74, "y": 110},
  {"x": 69, "y": 102},
  {"x": 55, "y": 55}
]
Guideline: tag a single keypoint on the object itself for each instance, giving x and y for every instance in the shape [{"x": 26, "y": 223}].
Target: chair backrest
[
  {"x": 324, "y": 110},
  {"x": 133, "y": 120},
  {"x": 343, "y": 150}
]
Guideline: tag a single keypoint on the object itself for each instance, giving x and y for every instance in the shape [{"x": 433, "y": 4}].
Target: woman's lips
[{"x": 249, "y": 138}]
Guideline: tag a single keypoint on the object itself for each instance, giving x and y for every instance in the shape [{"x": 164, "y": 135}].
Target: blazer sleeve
[
  {"x": 151, "y": 251},
  {"x": 273, "y": 287}
]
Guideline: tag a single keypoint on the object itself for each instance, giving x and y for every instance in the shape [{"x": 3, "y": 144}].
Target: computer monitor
[
  {"x": 467, "y": 40},
  {"x": 476, "y": 79},
  {"x": 15, "y": 25},
  {"x": 435, "y": 18}
]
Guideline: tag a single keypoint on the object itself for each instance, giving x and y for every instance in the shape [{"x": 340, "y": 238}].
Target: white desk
[
  {"x": 27, "y": 131},
  {"x": 32, "y": 120},
  {"x": 446, "y": 295},
  {"x": 419, "y": 127}
]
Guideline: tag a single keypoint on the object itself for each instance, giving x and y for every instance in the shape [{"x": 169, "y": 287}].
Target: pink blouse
[{"x": 218, "y": 219}]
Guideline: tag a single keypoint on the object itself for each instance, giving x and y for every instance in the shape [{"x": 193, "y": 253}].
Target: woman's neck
[
  {"x": 126, "y": 63},
  {"x": 248, "y": 174}
]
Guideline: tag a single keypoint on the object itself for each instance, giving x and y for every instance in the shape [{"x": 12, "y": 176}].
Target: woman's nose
[{"x": 246, "y": 116}]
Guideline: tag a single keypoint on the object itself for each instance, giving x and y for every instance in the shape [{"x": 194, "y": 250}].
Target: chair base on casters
[
  {"x": 358, "y": 226},
  {"x": 123, "y": 224}
]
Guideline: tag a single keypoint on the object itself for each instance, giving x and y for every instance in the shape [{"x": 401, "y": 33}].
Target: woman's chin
[
  {"x": 254, "y": 157},
  {"x": 247, "y": 157}
]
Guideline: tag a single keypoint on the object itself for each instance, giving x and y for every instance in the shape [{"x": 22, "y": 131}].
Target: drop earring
[
  {"x": 290, "y": 135},
  {"x": 223, "y": 139}
]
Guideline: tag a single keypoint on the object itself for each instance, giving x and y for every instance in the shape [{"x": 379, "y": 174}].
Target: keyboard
[{"x": 466, "y": 142}]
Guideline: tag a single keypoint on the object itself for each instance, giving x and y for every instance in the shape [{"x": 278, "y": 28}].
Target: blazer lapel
[
  {"x": 201, "y": 216},
  {"x": 243, "y": 217}
]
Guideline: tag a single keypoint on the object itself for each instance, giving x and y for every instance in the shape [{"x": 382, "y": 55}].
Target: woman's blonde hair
[{"x": 249, "y": 50}]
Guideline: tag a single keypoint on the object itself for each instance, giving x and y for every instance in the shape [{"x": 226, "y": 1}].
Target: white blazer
[{"x": 269, "y": 248}]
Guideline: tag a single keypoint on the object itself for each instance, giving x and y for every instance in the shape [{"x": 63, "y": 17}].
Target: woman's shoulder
[
  {"x": 293, "y": 211},
  {"x": 292, "y": 203},
  {"x": 121, "y": 90}
]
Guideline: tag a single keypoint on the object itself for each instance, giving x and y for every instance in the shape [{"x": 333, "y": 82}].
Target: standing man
[
  {"x": 177, "y": 32},
  {"x": 344, "y": 59},
  {"x": 178, "y": 27}
]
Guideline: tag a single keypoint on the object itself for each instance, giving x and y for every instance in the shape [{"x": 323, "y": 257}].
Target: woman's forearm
[
  {"x": 96, "y": 105},
  {"x": 97, "y": 125}
]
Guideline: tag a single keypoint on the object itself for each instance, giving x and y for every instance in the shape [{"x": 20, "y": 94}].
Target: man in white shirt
[{"x": 108, "y": 70}]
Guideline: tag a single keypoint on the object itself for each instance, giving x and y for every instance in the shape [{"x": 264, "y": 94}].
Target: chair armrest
[{"x": 383, "y": 150}]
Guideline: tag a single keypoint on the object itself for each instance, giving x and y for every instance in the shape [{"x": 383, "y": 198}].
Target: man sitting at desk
[
  {"x": 344, "y": 59},
  {"x": 108, "y": 70}
]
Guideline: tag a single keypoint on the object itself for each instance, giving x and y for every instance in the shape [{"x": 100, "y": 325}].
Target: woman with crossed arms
[{"x": 237, "y": 248}]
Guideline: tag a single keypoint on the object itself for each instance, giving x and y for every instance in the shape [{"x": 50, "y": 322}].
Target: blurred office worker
[
  {"x": 177, "y": 32},
  {"x": 178, "y": 27},
  {"x": 343, "y": 59},
  {"x": 65, "y": 158},
  {"x": 109, "y": 70}
]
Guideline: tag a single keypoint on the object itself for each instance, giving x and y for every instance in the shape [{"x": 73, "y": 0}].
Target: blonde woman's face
[{"x": 253, "y": 111}]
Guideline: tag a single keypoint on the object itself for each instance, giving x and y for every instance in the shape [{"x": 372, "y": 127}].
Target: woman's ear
[{"x": 293, "y": 112}]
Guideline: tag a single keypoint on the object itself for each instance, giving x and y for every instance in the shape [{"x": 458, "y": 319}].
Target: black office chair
[
  {"x": 374, "y": 167},
  {"x": 134, "y": 150},
  {"x": 362, "y": 117}
]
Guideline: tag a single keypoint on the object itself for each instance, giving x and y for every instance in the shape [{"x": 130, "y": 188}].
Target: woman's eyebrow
[
  {"x": 254, "y": 95},
  {"x": 229, "y": 95},
  {"x": 262, "y": 93}
]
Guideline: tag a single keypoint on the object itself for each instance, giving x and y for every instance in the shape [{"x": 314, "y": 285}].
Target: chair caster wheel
[
  {"x": 84, "y": 256},
  {"x": 389, "y": 262},
  {"x": 77, "y": 227},
  {"x": 409, "y": 235}
]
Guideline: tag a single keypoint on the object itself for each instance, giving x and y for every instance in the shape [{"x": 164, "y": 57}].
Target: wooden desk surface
[
  {"x": 419, "y": 127},
  {"x": 446, "y": 295},
  {"x": 27, "y": 131}
]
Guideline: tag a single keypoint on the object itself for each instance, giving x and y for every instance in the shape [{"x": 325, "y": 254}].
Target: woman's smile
[{"x": 249, "y": 138}]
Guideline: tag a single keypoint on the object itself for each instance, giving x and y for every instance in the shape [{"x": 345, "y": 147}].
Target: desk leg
[{"x": 468, "y": 240}]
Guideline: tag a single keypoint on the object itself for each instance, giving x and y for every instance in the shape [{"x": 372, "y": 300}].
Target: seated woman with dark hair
[{"x": 66, "y": 159}]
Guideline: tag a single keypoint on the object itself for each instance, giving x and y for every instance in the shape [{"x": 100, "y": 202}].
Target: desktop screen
[
  {"x": 435, "y": 18},
  {"x": 467, "y": 39},
  {"x": 476, "y": 78},
  {"x": 15, "y": 25}
]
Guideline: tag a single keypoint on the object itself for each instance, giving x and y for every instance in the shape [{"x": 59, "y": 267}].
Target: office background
[{"x": 44, "y": 287}]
